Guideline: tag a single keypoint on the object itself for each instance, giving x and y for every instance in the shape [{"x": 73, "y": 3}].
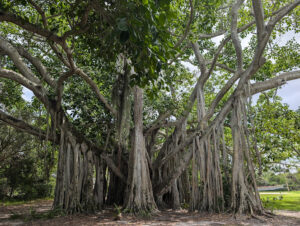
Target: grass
[
  {"x": 21, "y": 202},
  {"x": 33, "y": 215},
  {"x": 284, "y": 201}
]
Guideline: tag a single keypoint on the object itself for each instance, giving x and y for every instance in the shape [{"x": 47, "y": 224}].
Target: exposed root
[
  {"x": 258, "y": 218},
  {"x": 269, "y": 214}
]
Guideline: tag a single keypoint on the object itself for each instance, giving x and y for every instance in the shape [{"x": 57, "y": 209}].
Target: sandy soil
[{"x": 166, "y": 217}]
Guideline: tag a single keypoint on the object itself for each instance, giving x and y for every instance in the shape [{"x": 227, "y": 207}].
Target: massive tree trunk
[
  {"x": 74, "y": 181},
  {"x": 207, "y": 189},
  {"x": 244, "y": 193},
  {"x": 139, "y": 194}
]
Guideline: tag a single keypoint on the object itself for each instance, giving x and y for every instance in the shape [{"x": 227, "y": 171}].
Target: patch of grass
[
  {"x": 284, "y": 201},
  {"x": 13, "y": 202},
  {"x": 33, "y": 215}
]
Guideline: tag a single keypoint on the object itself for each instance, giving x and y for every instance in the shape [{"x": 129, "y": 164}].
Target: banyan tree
[{"x": 134, "y": 125}]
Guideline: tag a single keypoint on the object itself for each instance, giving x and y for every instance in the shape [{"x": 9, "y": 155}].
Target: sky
[{"x": 290, "y": 94}]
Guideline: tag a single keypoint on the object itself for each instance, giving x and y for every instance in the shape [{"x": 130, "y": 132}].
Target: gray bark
[{"x": 139, "y": 194}]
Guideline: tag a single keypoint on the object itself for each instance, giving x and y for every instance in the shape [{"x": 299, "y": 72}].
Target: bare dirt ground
[{"x": 166, "y": 217}]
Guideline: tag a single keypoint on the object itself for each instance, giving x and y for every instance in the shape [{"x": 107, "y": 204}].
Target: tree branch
[
  {"x": 187, "y": 28},
  {"x": 25, "y": 127},
  {"x": 35, "y": 88},
  {"x": 41, "y": 12},
  {"x": 234, "y": 34},
  {"x": 282, "y": 12},
  {"x": 157, "y": 123},
  {"x": 18, "y": 62},
  {"x": 259, "y": 18},
  {"x": 5, "y": 16},
  {"x": 200, "y": 58},
  {"x": 38, "y": 65},
  {"x": 274, "y": 82},
  {"x": 82, "y": 26},
  {"x": 95, "y": 88}
]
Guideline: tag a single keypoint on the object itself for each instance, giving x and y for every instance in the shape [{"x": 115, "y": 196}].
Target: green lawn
[{"x": 284, "y": 201}]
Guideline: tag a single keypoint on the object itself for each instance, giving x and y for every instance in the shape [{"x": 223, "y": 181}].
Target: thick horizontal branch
[
  {"x": 274, "y": 82},
  {"x": 110, "y": 163},
  {"x": 25, "y": 127},
  {"x": 34, "y": 28}
]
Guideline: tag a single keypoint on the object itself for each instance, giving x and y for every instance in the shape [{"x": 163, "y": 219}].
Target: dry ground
[{"x": 167, "y": 217}]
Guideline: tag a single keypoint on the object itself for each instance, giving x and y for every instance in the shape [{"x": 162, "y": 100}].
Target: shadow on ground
[{"x": 21, "y": 215}]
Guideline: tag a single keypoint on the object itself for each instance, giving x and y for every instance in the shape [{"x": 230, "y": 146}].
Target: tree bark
[
  {"x": 244, "y": 193},
  {"x": 139, "y": 194},
  {"x": 74, "y": 181}
]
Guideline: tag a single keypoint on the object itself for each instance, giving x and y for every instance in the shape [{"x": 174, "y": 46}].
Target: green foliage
[
  {"x": 276, "y": 130},
  {"x": 292, "y": 180},
  {"x": 26, "y": 163}
]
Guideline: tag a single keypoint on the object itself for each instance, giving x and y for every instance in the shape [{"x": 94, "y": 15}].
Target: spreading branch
[
  {"x": 234, "y": 34},
  {"x": 25, "y": 127},
  {"x": 16, "y": 58},
  {"x": 187, "y": 28},
  {"x": 274, "y": 82}
]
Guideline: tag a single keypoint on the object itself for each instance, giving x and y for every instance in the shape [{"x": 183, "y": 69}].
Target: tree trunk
[
  {"x": 99, "y": 192},
  {"x": 74, "y": 181},
  {"x": 244, "y": 193},
  {"x": 139, "y": 194}
]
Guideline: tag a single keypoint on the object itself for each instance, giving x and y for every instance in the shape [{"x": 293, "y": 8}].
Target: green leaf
[
  {"x": 122, "y": 24},
  {"x": 145, "y": 2},
  {"x": 162, "y": 19}
]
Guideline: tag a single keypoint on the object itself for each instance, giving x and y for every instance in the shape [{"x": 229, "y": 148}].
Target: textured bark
[
  {"x": 74, "y": 181},
  {"x": 244, "y": 193},
  {"x": 175, "y": 196},
  {"x": 139, "y": 194},
  {"x": 99, "y": 192}
]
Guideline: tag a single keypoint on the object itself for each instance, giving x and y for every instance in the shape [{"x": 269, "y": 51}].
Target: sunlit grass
[{"x": 284, "y": 201}]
